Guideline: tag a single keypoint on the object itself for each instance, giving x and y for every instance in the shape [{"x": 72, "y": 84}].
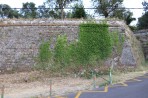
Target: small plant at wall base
[
  {"x": 93, "y": 45},
  {"x": 117, "y": 41},
  {"x": 44, "y": 56},
  {"x": 61, "y": 56}
]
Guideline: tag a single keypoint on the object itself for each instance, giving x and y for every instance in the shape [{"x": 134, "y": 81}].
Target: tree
[
  {"x": 143, "y": 21},
  {"x": 44, "y": 12},
  {"x": 14, "y": 14},
  {"x": 123, "y": 14},
  {"x": 145, "y": 5},
  {"x": 79, "y": 11},
  {"x": 7, "y": 12},
  {"x": 128, "y": 17},
  {"x": 29, "y": 10},
  {"x": 118, "y": 13},
  {"x": 107, "y": 7},
  {"x": 59, "y": 4}
]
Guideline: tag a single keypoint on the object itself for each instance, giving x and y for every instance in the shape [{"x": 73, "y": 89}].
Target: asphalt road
[{"x": 134, "y": 88}]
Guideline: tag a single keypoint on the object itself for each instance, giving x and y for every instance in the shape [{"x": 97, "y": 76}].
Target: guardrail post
[
  {"x": 110, "y": 76},
  {"x": 110, "y": 72},
  {"x": 50, "y": 88},
  {"x": 2, "y": 91},
  {"x": 94, "y": 80}
]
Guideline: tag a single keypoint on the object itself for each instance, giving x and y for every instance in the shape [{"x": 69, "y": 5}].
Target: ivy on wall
[
  {"x": 95, "y": 39},
  {"x": 94, "y": 44}
]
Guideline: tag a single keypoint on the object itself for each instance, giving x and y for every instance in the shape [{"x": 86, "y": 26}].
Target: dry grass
[
  {"x": 126, "y": 76},
  {"x": 28, "y": 84}
]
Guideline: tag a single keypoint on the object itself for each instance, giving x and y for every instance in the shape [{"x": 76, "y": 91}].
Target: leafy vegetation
[
  {"x": 29, "y": 10},
  {"x": 145, "y": 5},
  {"x": 113, "y": 9},
  {"x": 96, "y": 40},
  {"x": 117, "y": 41},
  {"x": 143, "y": 21},
  {"x": 44, "y": 53},
  {"x": 79, "y": 11},
  {"x": 7, "y": 12},
  {"x": 107, "y": 7},
  {"x": 61, "y": 56},
  {"x": 94, "y": 44},
  {"x": 59, "y": 4},
  {"x": 55, "y": 9},
  {"x": 44, "y": 56}
]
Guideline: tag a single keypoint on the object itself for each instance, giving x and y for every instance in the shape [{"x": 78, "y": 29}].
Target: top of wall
[
  {"x": 20, "y": 44},
  {"x": 51, "y": 22}
]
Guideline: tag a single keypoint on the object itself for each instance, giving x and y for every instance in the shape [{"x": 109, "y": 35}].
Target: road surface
[{"x": 134, "y": 88}]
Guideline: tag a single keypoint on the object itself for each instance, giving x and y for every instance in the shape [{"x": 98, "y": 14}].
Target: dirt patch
[{"x": 28, "y": 84}]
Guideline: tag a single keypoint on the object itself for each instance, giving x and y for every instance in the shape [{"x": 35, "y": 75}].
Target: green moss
[
  {"x": 95, "y": 39},
  {"x": 44, "y": 56},
  {"x": 117, "y": 41}
]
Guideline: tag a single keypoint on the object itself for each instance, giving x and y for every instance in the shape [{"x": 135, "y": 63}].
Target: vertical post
[
  {"x": 94, "y": 80},
  {"x": 120, "y": 37},
  {"x": 110, "y": 72},
  {"x": 2, "y": 91},
  {"x": 50, "y": 88},
  {"x": 110, "y": 76}
]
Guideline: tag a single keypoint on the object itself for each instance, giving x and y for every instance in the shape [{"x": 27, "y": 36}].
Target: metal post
[
  {"x": 110, "y": 72},
  {"x": 110, "y": 76},
  {"x": 94, "y": 80},
  {"x": 2, "y": 91},
  {"x": 50, "y": 88}
]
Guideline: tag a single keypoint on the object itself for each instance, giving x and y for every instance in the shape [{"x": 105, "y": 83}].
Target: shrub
[
  {"x": 78, "y": 55},
  {"x": 95, "y": 40},
  {"x": 94, "y": 44},
  {"x": 44, "y": 55},
  {"x": 117, "y": 40},
  {"x": 61, "y": 55}
]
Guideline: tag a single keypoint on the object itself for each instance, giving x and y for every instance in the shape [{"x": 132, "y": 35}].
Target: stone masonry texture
[{"x": 20, "y": 39}]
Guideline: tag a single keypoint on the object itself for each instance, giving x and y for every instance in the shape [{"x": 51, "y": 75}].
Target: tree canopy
[
  {"x": 7, "y": 12},
  {"x": 123, "y": 14},
  {"x": 143, "y": 20},
  {"x": 44, "y": 12},
  {"x": 128, "y": 17},
  {"x": 107, "y": 7},
  {"x": 29, "y": 10},
  {"x": 59, "y": 5},
  {"x": 145, "y": 5},
  {"x": 55, "y": 9},
  {"x": 79, "y": 11}
]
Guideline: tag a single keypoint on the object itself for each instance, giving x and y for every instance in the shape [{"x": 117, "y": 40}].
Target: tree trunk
[
  {"x": 106, "y": 14},
  {"x": 62, "y": 13},
  {"x": 62, "y": 9}
]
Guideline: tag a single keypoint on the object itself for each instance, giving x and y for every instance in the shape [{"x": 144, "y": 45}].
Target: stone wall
[
  {"x": 132, "y": 53},
  {"x": 19, "y": 44},
  {"x": 20, "y": 39},
  {"x": 142, "y": 36}
]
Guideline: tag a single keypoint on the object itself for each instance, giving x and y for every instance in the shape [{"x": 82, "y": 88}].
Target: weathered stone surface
[
  {"x": 127, "y": 57},
  {"x": 20, "y": 39},
  {"x": 19, "y": 44},
  {"x": 142, "y": 36}
]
